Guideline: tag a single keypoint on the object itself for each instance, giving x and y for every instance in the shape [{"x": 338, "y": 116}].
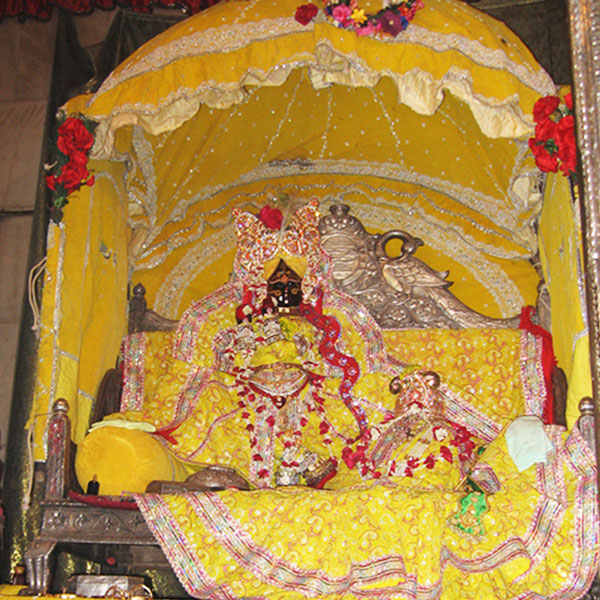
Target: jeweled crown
[{"x": 296, "y": 240}]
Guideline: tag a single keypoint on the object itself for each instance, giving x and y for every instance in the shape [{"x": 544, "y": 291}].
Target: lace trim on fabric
[
  {"x": 538, "y": 80},
  {"x": 493, "y": 207},
  {"x": 364, "y": 325},
  {"x": 233, "y": 37},
  {"x": 283, "y": 575},
  {"x": 532, "y": 375},
  {"x": 134, "y": 352},
  {"x": 586, "y": 537},
  {"x": 452, "y": 241},
  {"x": 180, "y": 555},
  {"x": 221, "y": 40},
  {"x": 192, "y": 321},
  {"x": 461, "y": 412},
  {"x": 495, "y": 118}
]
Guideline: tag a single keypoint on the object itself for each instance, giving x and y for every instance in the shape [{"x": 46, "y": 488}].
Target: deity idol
[{"x": 276, "y": 375}]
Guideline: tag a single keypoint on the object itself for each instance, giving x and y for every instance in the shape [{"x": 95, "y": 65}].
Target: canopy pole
[{"x": 584, "y": 16}]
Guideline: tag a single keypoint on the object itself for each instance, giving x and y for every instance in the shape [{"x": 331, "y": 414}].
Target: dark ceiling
[{"x": 542, "y": 25}]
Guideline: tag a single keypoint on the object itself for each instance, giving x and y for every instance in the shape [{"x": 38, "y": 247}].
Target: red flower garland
[
  {"x": 554, "y": 145},
  {"x": 69, "y": 171},
  {"x": 331, "y": 329}
]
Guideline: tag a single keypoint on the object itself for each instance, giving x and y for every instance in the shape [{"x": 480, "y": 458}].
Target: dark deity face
[{"x": 285, "y": 287}]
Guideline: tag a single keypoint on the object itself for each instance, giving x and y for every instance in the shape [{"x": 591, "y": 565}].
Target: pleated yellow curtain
[{"x": 83, "y": 302}]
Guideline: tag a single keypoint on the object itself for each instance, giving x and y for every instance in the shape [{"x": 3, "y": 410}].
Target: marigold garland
[
  {"x": 68, "y": 172},
  {"x": 347, "y": 14}
]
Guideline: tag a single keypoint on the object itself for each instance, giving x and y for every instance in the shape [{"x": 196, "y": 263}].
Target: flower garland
[
  {"x": 265, "y": 420},
  {"x": 374, "y": 456},
  {"x": 554, "y": 145},
  {"x": 418, "y": 415},
  {"x": 347, "y": 14},
  {"x": 68, "y": 172},
  {"x": 332, "y": 329}
]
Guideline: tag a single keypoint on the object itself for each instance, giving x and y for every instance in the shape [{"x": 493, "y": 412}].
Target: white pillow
[{"x": 527, "y": 441}]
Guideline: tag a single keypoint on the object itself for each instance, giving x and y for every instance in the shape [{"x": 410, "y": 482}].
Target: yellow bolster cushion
[{"x": 125, "y": 460}]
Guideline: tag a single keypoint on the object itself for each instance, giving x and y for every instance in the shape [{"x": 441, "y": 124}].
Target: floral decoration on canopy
[
  {"x": 392, "y": 19},
  {"x": 68, "y": 172},
  {"x": 554, "y": 145}
]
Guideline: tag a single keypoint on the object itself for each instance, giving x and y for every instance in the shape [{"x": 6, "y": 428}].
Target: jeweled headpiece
[{"x": 262, "y": 242}]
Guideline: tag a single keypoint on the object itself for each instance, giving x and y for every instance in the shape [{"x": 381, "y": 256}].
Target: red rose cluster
[
  {"x": 554, "y": 145},
  {"x": 70, "y": 172}
]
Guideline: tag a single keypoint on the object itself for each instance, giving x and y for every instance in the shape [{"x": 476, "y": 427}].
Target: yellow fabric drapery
[
  {"x": 83, "y": 310},
  {"x": 425, "y": 132},
  {"x": 386, "y": 540},
  {"x": 561, "y": 253}
]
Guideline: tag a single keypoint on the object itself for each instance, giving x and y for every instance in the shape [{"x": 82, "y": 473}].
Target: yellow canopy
[{"x": 426, "y": 132}]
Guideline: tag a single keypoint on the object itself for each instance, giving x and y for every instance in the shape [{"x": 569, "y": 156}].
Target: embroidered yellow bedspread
[
  {"x": 388, "y": 537},
  {"x": 384, "y": 540}
]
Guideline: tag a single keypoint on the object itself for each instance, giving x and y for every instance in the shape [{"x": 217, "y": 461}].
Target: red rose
[
  {"x": 547, "y": 162},
  {"x": 543, "y": 159},
  {"x": 569, "y": 101},
  {"x": 51, "y": 181},
  {"x": 567, "y": 144},
  {"x": 544, "y": 107},
  {"x": 73, "y": 176},
  {"x": 270, "y": 217},
  {"x": 73, "y": 135},
  {"x": 565, "y": 132},
  {"x": 305, "y": 13},
  {"x": 545, "y": 130},
  {"x": 568, "y": 156},
  {"x": 568, "y": 165},
  {"x": 78, "y": 157}
]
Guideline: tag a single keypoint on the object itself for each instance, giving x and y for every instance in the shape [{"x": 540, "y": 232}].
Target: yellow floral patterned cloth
[
  {"x": 387, "y": 541},
  {"x": 172, "y": 381},
  {"x": 367, "y": 535}
]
